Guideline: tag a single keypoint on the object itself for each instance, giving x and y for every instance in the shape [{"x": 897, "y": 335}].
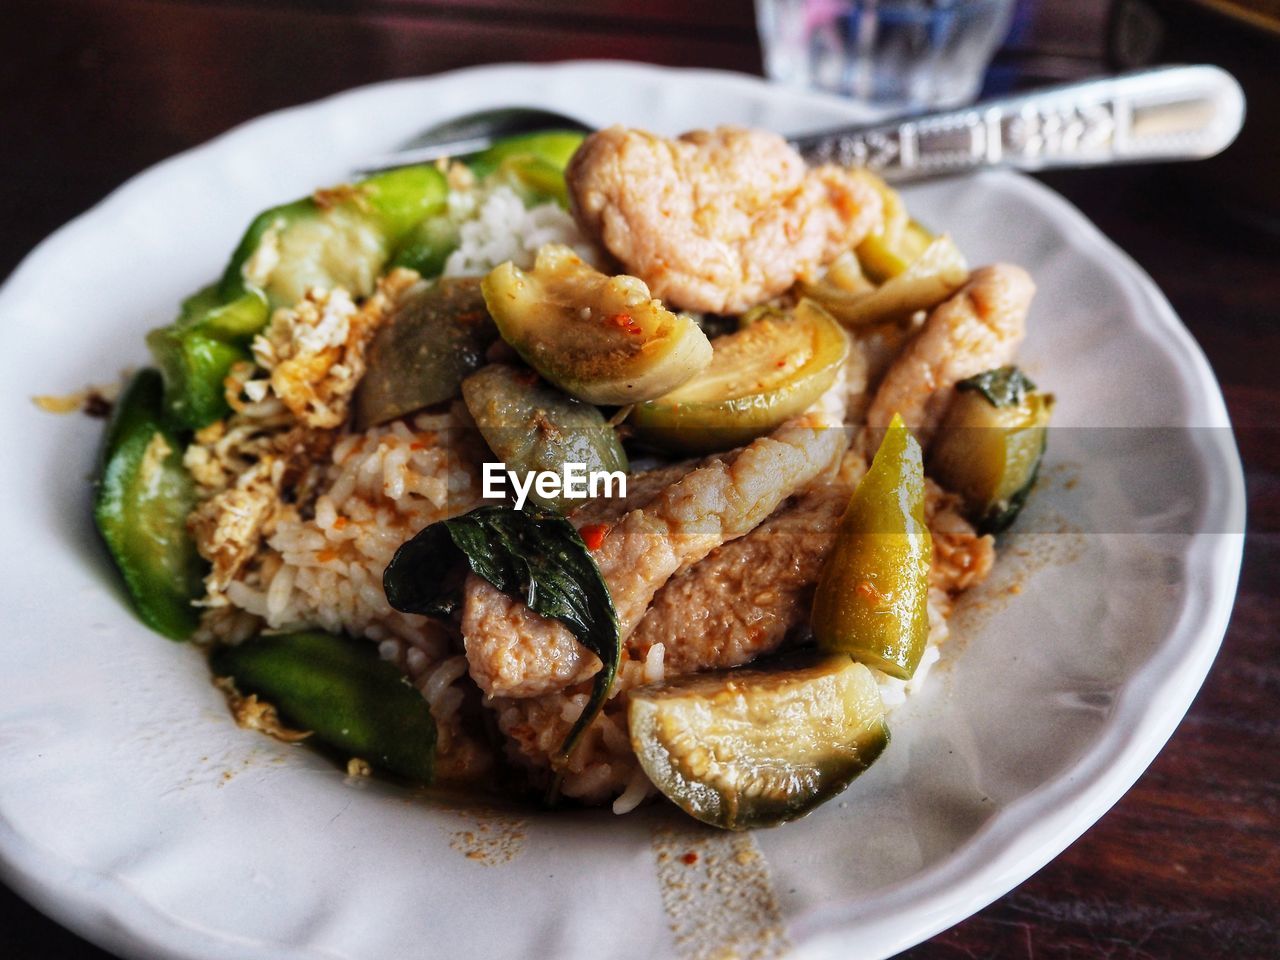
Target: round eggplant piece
[
  {"x": 991, "y": 443},
  {"x": 534, "y": 428},
  {"x": 602, "y": 339},
  {"x": 938, "y": 272},
  {"x": 419, "y": 357},
  {"x": 748, "y": 748},
  {"x": 772, "y": 369}
]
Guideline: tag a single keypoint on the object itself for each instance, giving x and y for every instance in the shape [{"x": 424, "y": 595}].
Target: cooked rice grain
[
  {"x": 322, "y": 567},
  {"x": 383, "y": 486},
  {"x": 494, "y": 227}
]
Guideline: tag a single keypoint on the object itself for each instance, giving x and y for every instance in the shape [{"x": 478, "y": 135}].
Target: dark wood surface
[{"x": 1188, "y": 863}]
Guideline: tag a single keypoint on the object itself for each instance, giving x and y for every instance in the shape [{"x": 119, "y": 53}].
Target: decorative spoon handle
[{"x": 1168, "y": 113}]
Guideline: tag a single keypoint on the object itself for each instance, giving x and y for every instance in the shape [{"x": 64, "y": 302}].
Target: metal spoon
[{"x": 1161, "y": 114}]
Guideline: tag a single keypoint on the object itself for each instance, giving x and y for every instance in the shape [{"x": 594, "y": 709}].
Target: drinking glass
[{"x": 901, "y": 55}]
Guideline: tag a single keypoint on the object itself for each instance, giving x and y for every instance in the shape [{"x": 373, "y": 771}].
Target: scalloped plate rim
[{"x": 994, "y": 860}]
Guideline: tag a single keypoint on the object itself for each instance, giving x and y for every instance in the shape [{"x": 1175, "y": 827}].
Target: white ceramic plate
[{"x": 135, "y": 812}]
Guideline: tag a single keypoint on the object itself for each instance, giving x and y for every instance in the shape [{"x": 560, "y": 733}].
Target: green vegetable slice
[
  {"x": 426, "y": 248},
  {"x": 334, "y": 238},
  {"x": 533, "y": 427},
  {"x": 141, "y": 500},
  {"x": 1003, "y": 387},
  {"x": 884, "y": 257},
  {"x": 599, "y": 338},
  {"x": 552, "y": 149},
  {"x": 871, "y": 600},
  {"x": 748, "y": 748},
  {"x": 339, "y": 237},
  {"x": 340, "y": 690},
  {"x": 420, "y": 355},
  {"x": 898, "y": 243},
  {"x": 400, "y": 199},
  {"x": 991, "y": 443},
  {"x": 333, "y": 246},
  {"x": 772, "y": 369},
  {"x": 533, "y": 556},
  {"x": 935, "y": 275},
  {"x": 537, "y": 181},
  {"x": 196, "y": 353}
]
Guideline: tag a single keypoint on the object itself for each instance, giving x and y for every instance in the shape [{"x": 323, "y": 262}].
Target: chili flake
[{"x": 624, "y": 321}]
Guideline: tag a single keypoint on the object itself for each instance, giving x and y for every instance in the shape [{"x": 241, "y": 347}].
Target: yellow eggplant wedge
[{"x": 871, "y": 600}]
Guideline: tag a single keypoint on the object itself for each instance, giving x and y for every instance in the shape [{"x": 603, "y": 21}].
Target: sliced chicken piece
[
  {"x": 747, "y": 595},
  {"x": 514, "y": 652},
  {"x": 978, "y": 329},
  {"x": 716, "y": 220}
]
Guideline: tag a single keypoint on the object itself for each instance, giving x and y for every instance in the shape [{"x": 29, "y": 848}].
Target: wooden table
[{"x": 1188, "y": 863}]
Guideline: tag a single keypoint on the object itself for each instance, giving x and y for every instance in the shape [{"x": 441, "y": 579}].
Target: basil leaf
[
  {"x": 534, "y": 556},
  {"x": 1003, "y": 387},
  {"x": 422, "y": 576}
]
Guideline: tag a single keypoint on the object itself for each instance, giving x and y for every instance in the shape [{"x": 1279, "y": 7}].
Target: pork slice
[
  {"x": 747, "y": 595},
  {"x": 514, "y": 652},
  {"x": 642, "y": 487},
  {"x": 737, "y": 604},
  {"x": 716, "y": 220}
]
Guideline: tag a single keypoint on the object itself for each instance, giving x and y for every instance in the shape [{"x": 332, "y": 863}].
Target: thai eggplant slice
[
  {"x": 990, "y": 445},
  {"x": 938, "y": 272},
  {"x": 845, "y": 273},
  {"x": 750, "y": 747},
  {"x": 350, "y": 699},
  {"x": 534, "y": 427},
  {"x": 420, "y": 355},
  {"x": 142, "y": 497},
  {"x": 771, "y": 370},
  {"x": 599, "y": 338},
  {"x": 883, "y": 258},
  {"x": 871, "y": 599}
]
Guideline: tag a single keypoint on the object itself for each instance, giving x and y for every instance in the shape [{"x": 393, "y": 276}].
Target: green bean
[
  {"x": 141, "y": 500},
  {"x": 352, "y": 701}
]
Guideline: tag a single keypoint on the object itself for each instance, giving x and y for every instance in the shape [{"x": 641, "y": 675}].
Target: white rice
[
  {"x": 325, "y": 570},
  {"x": 638, "y": 790},
  {"x": 495, "y": 227}
]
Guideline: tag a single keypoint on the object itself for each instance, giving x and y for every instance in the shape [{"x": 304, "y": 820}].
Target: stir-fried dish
[{"x": 599, "y": 469}]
